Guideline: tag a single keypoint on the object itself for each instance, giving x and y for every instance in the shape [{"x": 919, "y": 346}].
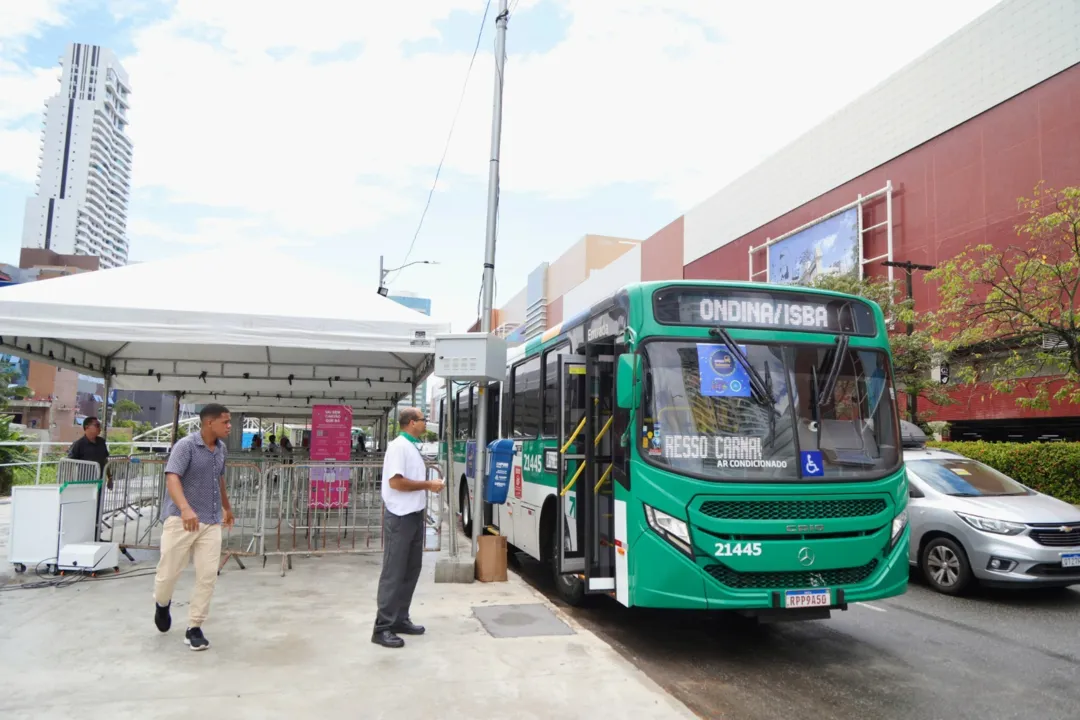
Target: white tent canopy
[{"x": 261, "y": 331}]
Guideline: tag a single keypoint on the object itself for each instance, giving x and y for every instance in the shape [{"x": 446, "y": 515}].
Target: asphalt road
[{"x": 922, "y": 656}]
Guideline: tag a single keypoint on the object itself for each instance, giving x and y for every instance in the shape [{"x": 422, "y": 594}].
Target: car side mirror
[{"x": 626, "y": 381}]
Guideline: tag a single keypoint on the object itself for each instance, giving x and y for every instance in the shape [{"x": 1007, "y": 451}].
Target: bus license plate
[
  {"x": 807, "y": 598},
  {"x": 1070, "y": 560}
]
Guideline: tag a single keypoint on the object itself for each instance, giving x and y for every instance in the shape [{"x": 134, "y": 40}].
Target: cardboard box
[{"x": 491, "y": 558}]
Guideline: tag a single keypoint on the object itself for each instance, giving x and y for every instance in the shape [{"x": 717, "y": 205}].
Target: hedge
[{"x": 1051, "y": 468}]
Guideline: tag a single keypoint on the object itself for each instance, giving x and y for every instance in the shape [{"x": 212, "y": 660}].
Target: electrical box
[
  {"x": 89, "y": 557},
  {"x": 470, "y": 357}
]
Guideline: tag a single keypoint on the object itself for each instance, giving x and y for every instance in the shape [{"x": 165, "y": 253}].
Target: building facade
[
  {"x": 543, "y": 301},
  {"x": 84, "y": 179},
  {"x": 930, "y": 162}
]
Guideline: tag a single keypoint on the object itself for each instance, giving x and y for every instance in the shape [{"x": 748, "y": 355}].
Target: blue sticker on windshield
[
  {"x": 721, "y": 374},
  {"x": 813, "y": 463}
]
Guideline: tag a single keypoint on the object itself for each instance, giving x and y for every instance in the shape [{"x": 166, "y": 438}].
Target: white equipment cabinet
[{"x": 45, "y": 518}]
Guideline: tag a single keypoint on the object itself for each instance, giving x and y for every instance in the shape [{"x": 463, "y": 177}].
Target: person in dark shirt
[{"x": 91, "y": 446}]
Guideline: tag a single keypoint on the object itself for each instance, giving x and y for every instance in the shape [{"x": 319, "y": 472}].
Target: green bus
[{"x": 701, "y": 445}]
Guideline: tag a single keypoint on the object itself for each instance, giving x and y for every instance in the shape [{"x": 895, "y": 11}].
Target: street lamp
[
  {"x": 909, "y": 268},
  {"x": 383, "y": 272}
]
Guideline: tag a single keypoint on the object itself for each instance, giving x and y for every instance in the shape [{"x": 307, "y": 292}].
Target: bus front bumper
[{"x": 663, "y": 577}]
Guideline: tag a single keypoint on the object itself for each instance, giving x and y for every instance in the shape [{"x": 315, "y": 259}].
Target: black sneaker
[
  {"x": 195, "y": 640},
  {"x": 162, "y": 618}
]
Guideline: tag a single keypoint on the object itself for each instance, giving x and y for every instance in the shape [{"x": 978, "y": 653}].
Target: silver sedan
[{"x": 972, "y": 524}]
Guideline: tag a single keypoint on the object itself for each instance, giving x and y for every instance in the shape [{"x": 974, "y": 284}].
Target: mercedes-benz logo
[{"x": 806, "y": 557}]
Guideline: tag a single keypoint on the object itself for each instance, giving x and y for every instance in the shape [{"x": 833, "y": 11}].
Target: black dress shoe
[
  {"x": 407, "y": 628},
  {"x": 387, "y": 639}
]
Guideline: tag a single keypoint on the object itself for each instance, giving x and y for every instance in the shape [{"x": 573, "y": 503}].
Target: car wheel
[{"x": 945, "y": 566}]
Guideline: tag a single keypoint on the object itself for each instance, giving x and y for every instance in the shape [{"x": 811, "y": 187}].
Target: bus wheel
[
  {"x": 466, "y": 509},
  {"x": 570, "y": 588}
]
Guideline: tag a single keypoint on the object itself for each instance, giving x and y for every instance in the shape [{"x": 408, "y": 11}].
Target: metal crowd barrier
[
  {"x": 131, "y": 499},
  {"x": 72, "y": 471},
  {"x": 316, "y": 509},
  {"x": 283, "y": 509}
]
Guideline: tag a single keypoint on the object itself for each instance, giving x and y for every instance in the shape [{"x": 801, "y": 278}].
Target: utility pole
[
  {"x": 489, "y": 272},
  {"x": 909, "y": 267}
]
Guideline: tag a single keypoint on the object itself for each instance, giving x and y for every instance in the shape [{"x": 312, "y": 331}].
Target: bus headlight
[
  {"x": 670, "y": 528},
  {"x": 898, "y": 524}
]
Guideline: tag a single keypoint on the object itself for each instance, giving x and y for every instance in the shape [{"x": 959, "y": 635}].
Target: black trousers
[{"x": 403, "y": 557}]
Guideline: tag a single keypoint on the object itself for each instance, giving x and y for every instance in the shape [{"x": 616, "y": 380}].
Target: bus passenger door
[
  {"x": 573, "y": 393},
  {"x": 597, "y": 501}
]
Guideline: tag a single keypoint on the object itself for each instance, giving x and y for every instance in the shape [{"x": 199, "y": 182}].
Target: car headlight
[
  {"x": 670, "y": 528},
  {"x": 997, "y": 527},
  {"x": 898, "y": 524}
]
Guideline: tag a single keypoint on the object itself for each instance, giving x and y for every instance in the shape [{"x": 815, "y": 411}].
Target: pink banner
[
  {"x": 331, "y": 440},
  {"x": 331, "y": 432},
  {"x": 329, "y": 488}
]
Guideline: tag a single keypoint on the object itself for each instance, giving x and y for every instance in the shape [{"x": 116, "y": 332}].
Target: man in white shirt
[{"x": 404, "y": 495}]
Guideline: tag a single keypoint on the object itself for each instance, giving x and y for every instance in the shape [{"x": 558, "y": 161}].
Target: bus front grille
[
  {"x": 791, "y": 509},
  {"x": 796, "y": 579}
]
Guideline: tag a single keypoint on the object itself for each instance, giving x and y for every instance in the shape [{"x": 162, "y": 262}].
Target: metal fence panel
[
  {"x": 77, "y": 471},
  {"x": 332, "y": 509},
  {"x": 282, "y": 509},
  {"x": 131, "y": 502}
]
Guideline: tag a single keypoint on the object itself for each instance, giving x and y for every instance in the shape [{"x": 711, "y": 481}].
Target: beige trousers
[{"x": 178, "y": 546}]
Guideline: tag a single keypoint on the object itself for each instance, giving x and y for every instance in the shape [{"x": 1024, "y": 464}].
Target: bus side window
[
  {"x": 462, "y": 424},
  {"x": 551, "y": 391},
  {"x": 525, "y": 399}
]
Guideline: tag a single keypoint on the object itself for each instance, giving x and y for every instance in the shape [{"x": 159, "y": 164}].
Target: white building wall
[
  {"x": 603, "y": 282},
  {"x": 1011, "y": 48},
  {"x": 85, "y": 170}
]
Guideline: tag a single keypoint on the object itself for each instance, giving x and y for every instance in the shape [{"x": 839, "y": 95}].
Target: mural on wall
[{"x": 831, "y": 247}]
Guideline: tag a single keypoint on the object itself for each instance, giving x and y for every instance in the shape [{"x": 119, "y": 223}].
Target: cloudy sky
[{"x": 316, "y": 126}]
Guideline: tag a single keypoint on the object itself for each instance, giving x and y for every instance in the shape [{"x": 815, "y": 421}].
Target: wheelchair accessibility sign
[{"x": 813, "y": 463}]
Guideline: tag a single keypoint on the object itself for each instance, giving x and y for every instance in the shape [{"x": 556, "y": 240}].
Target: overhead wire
[{"x": 449, "y": 137}]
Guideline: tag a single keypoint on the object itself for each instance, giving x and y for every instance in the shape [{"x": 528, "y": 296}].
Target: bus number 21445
[
  {"x": 532, "y": 463},
  {"x": 728, "y": 549}
]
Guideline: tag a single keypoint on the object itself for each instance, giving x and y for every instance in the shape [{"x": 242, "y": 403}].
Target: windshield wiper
[
  {"x": 756, "y": 383},
  {"x": 825, "y": 396}
]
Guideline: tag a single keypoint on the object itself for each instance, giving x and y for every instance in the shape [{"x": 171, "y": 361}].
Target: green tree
[
  {"x": 8, "y": 391},
  {"x": 126, "y": 409},
  {"x": 913, "y": 355},
  {"x": 1014, "y": 314},
  {"x": 11, "y": 454}
]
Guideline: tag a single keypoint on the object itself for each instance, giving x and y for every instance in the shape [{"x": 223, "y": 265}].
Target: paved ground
[
  {"x": 299, "y": 647},
  {"x": 921, "y": 656}
]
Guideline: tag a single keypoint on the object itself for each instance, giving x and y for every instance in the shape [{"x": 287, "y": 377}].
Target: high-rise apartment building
[{"x": 84, "y": 177}]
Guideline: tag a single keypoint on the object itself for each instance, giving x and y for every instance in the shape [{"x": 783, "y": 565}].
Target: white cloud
[
  {"x": 21, "y": 19},
  {"x": 242, "y": 105},
  {"x": 19, "y": 154},
  {"x": 638, "y": 91}
]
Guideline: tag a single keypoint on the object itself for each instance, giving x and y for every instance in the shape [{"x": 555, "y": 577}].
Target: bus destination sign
[{"x": 763, "y": 309}]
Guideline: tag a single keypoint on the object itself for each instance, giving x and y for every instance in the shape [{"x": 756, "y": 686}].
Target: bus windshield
[{"x": 778, "y": 412}]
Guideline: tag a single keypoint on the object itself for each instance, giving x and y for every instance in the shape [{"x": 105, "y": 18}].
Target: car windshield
[
  {"x": 962, "y": 477},
  {"x": 768, "y": 412}
]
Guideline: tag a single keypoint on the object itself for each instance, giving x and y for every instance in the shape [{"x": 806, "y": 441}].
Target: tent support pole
[
  {"x": 176, "y": 418},
  {"x": 105, "y": 402}
]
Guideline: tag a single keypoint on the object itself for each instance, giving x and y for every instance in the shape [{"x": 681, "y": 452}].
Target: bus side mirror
[{"x": 625, "y": 383}]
